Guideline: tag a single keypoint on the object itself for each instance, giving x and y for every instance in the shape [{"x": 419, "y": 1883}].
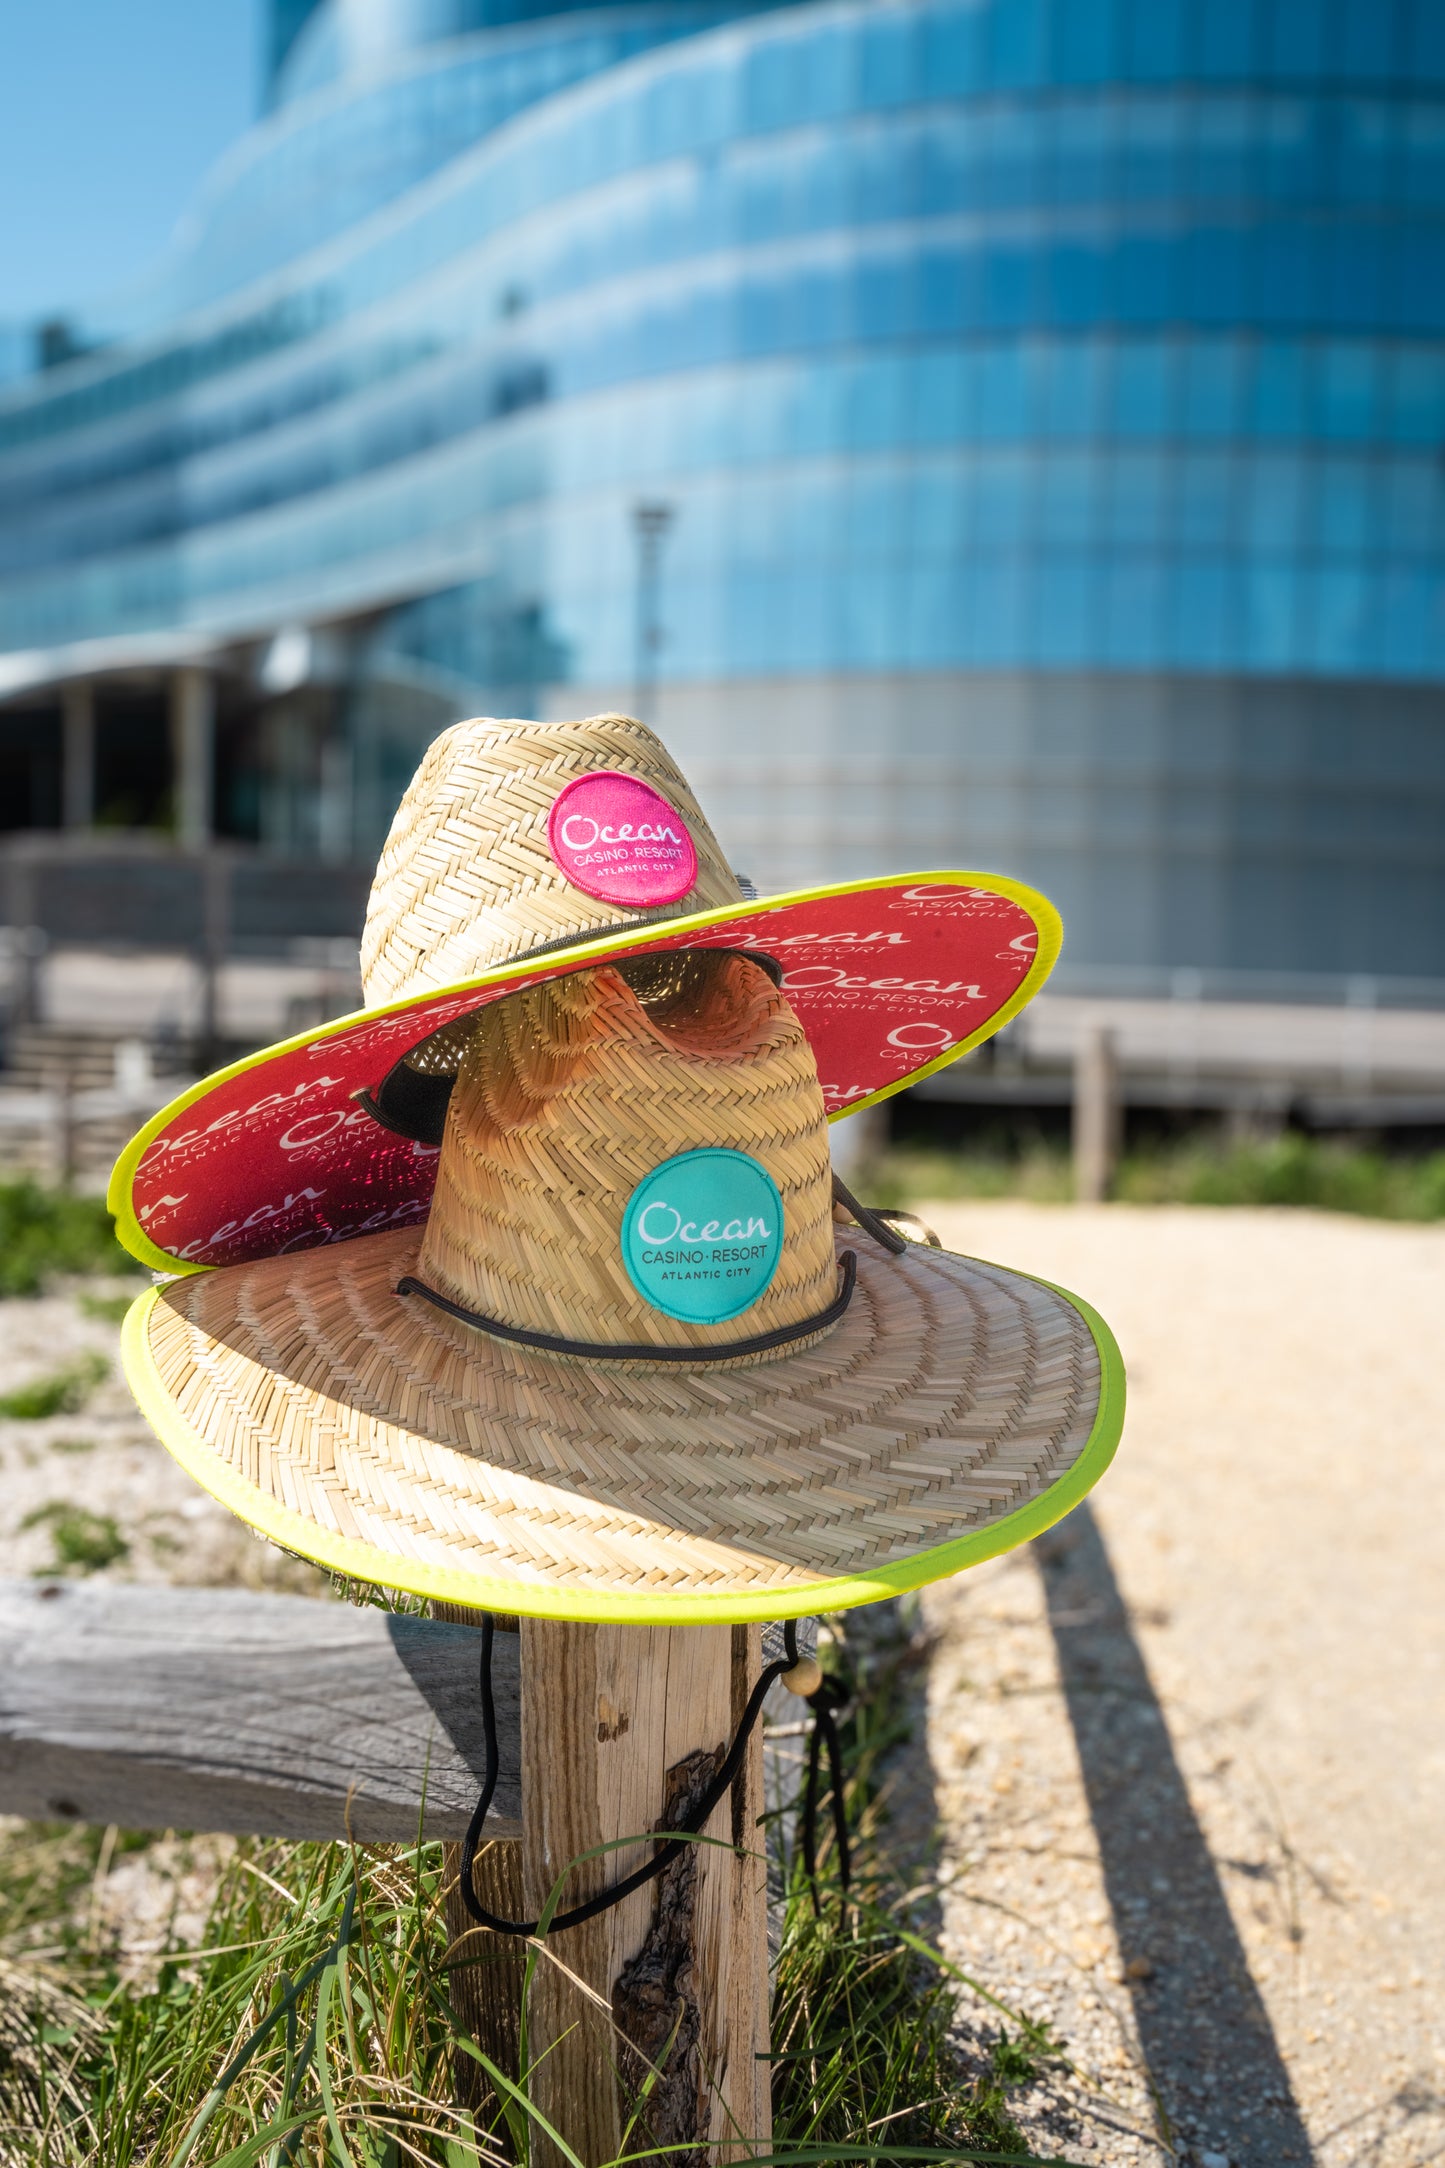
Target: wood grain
[
  {"x": 620, "y": 1725},
  {"x": 218, "y": 1709}
]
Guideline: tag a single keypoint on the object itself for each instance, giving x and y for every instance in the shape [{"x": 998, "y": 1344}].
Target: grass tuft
[
  {"x": 1290, "y": 1169},
  {"x": 105, "y": 1309},
  {"x": 46, "y": 1233},
  {"x": 80, "y": 1541},
  {"x": 63, "y": 1392}
]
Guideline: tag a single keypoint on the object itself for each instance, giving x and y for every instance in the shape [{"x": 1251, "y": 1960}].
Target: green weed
[
  {"x": 64, "y": 1392},
  {"x": 47, "y": 1232},
  {"x": 81, "y": 1541}
]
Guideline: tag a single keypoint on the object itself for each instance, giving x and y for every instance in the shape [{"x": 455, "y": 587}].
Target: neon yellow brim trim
[
  {"x": 133, "y": 1237},
  {"x": 541, "y": 1600}
]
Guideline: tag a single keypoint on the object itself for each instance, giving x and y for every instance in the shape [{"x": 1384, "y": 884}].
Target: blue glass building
[{"x": 1040, "y": 402}]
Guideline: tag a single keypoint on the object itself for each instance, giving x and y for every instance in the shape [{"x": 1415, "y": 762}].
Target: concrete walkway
[{"x": 1187, "y": 1753}]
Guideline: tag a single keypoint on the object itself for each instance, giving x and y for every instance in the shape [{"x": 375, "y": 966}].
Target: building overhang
[{"x": 46, "y": 669}]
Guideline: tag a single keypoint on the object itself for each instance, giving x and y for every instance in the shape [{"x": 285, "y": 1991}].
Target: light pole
[{"x": 650, "y": 522}]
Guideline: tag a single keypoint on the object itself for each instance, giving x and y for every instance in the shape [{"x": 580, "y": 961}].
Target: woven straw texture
[
  {"x": 569, "y": 1094},
  {"x": 951, "y": 1393},
  {"x": 466, "y": 880}
]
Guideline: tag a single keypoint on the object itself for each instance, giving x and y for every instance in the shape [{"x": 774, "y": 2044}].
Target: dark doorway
[
  {"x": 29, "y": 768},
  {"x": 133, "y": 760}
]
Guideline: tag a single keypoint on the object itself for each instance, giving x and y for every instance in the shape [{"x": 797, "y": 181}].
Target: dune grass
[
  {"x": 315, "y": 2022},
  {"x": 58, "y": 1392},
  {"x": 1290, "y": 1169},
  {"x": 46, "y": 1234}
]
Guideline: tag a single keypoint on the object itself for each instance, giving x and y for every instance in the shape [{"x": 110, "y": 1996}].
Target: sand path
[{"x": 1187, "y": 1753}]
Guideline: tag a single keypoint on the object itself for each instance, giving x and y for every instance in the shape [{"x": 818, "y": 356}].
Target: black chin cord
[
  {"x": 824, "y": 1730},
  {"x": 822, "y": 1701}
]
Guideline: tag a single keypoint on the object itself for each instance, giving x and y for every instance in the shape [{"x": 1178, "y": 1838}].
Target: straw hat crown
[
  {"x": 469, "y": 879},
  {"x": 570, "y": 1094}
]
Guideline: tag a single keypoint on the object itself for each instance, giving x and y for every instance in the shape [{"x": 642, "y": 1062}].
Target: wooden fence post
[
  {"x": 1098, "y": 1114},
  {"x": 622, "y": 1727}
]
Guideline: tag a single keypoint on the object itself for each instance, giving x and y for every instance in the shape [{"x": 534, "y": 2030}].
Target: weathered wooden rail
[{"x": 218, "y": 1709}]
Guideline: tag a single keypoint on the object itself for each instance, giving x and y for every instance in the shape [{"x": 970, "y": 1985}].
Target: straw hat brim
[
  {"x": 957, "y": 1410},
  {"x": 274, "y": 1151}
]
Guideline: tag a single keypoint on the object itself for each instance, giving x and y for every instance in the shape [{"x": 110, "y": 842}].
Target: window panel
[
  {"x": 1062, "y": 610},
  {"x": 1006, "y": 285},
  {"x": 1078, "y": 388},
  {"x": 938, "y": 510},
  {"x": 1068, "y": 498},
  {"x": 1369, "y": 44},
  {"x": 1213, "y": 387},
  {"x": 1085, "y": 41},
  {"x": 1424, "y": 41},
  {"x": 1225, "y": 134},
  {"x": 1278, "y": 388},
  {"x": 930, "y": 630},
  {"x": 1003, "y": 485},
  {"x": 1134, "y": 612},
  {"x": 1406, "y": 598},
  {"x": 1203, "y": 498},
  {"x": 1272, "y": 499},
  {"x": 1000, "y": 408},
  {"x": 1154, "y": 50},
  {"x": 1076, "y": 282},
  {"x": 1082, "y": 142},
  {"x": 935, "y": 411},
  {"x": 946, "y": 176},
  {"x": 1422, "y": 153},
  {"x": 1152, "y": 143},
  {"x": 1413, "y": 516},
  {"x": 1270, "y": 632},
  {"x": 1134, "y": 484},
  {"x": 952, "y": 52},
  {"x": 1226, "y": 40},
  {"x": 942, "y": 292},
  {"x": 1018, "y": 44},
  {"x": 1348, "y": 382},
  {"x": 1202, "y": 597},
  {"x": 997, "y": 631},
  {"x": 1144, "y": 387},
  {"x": 1348, "y": 516},
  {"x": 1337, "y": 619},
  {"x": 887, "y": 59}
]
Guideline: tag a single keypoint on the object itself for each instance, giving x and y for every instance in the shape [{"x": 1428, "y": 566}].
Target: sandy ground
[
  {"x": 1186, "y": 1753},
  {"x": 1182, "y": 1765},
  {"x": 104, "y": 1461}
]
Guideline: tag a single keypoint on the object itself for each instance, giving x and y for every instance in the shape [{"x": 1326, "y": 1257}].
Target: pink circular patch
[{"x": 617, "y": 838}]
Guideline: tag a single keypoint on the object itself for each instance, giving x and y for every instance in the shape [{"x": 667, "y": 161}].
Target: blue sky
[{"x": 110, "y": 113}]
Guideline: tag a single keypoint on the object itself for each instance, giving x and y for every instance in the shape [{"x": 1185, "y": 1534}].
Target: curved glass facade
[{"x": 1046, "y": 399}]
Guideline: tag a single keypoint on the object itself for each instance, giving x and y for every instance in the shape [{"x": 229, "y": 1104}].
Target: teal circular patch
[{"x": 702, "y": 1235}]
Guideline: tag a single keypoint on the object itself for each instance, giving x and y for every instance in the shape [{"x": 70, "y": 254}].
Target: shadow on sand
[{"x": 1205, "y": 2033}]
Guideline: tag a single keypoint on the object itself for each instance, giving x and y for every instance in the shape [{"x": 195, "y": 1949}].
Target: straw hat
[
  {"x": 521, "y": 851},
  {"x": 630, "y": 1368}
]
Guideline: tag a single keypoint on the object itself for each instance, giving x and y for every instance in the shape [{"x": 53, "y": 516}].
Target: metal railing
[{"x": 136, "y": 893}]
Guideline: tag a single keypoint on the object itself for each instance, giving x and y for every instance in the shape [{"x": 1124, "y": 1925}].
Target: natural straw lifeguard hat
[
  {"x": 520, "y": 851},
  {"x": 630, "y": 1369}
]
